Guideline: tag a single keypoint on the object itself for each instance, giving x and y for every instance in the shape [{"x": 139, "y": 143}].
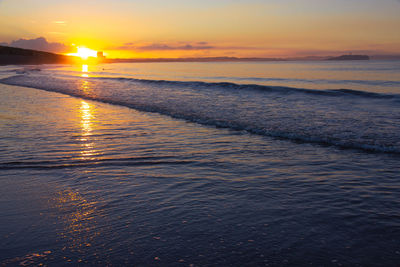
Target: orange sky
[{"x": 187, "y": 28}]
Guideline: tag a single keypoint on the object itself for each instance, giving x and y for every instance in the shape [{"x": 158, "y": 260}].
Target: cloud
[
  {"x": 40, "y": 44},
  {"x": 181, "y": 47},
  {"x": 162, "y": 47},
  {"x": 198, "y": 46},
  {"x": 60, "y": 22}
]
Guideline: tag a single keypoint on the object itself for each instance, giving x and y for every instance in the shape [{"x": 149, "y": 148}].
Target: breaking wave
[{"x": 341, "y": 117}]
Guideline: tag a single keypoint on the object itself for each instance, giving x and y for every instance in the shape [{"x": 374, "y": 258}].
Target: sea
[{"x": 200, "y": 164}]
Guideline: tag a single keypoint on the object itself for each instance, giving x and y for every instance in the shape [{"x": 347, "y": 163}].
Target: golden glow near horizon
[{"x": 206, "y": 28}]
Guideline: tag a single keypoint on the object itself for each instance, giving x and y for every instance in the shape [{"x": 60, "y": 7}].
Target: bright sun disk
[{"x": 84, "y": 53}]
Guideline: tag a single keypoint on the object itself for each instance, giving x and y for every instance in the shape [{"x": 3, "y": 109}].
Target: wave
[
  {"x": 343, "y": 118},
  {"x": 311, "y": 81},
  {"x": 230, "y": 85},
  {"x": 281, "y": 89},
  {"x": 87, "y": 163}
]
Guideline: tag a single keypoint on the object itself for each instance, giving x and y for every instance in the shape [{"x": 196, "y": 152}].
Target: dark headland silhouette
[
  {"x": 16, "y": 56},
  {"x": 20, "y": 56}
]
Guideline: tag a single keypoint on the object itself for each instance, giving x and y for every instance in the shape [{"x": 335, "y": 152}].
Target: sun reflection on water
[
  {"x": 86, "y": 115},
  {"x": 79, "y": 218},
  {"x": 85, "y": 86},
  {"x": 85, "y": 69}
]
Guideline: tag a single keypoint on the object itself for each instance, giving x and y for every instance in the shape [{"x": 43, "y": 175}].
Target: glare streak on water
[{"x": 85, "y": 182}]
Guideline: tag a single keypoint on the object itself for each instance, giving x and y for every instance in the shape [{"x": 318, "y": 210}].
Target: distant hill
[
  {"x": 12, "y": 55},
  {"x": 350, "y": 57},
  {"x": 19, "y": 56}
]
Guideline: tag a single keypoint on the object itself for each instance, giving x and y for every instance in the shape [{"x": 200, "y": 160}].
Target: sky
[{"x": 204, "y": 28}]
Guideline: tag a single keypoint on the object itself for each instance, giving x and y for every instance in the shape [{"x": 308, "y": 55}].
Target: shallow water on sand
[{"x": 84, "y": 182}]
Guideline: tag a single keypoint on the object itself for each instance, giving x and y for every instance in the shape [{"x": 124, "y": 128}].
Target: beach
[{"x": 200, "y": 164}]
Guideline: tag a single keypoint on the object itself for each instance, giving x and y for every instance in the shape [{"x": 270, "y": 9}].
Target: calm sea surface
[{"x": 201, "y": 164}]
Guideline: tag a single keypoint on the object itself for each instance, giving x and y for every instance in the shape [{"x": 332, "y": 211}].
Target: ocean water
[{"x": 201, "y": 164}]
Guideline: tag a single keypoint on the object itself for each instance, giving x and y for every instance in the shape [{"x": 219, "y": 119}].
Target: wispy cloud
[
  {"x": 60, "y": 22},
  {"x": 162, "y": 47},
  {"x": 152, "y": 47}
]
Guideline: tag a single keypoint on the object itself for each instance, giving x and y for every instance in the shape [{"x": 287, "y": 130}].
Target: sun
[{"x": 84, "y": 53}]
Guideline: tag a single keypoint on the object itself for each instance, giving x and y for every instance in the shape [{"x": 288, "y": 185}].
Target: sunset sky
[{"x": 188, "y": 28}]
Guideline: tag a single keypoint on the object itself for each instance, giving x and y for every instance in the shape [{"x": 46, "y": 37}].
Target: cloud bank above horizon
[{"x": 40, "y": 44}]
